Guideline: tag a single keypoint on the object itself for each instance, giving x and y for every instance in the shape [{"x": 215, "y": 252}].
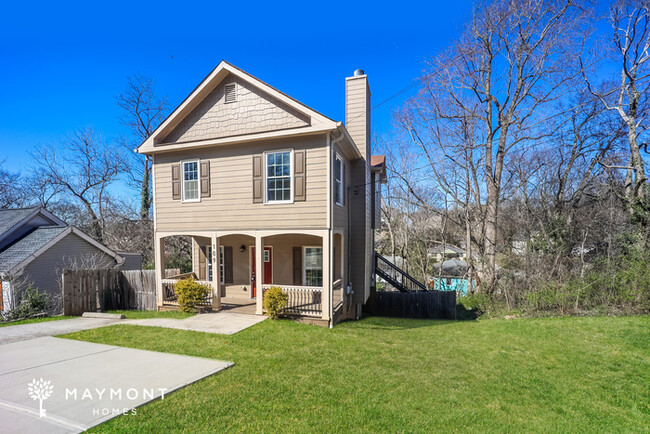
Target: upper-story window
[
  {"x": 278, "y": 177},
  {"x": 338, "y": 179},
  {"x": 191, "y": 190}
]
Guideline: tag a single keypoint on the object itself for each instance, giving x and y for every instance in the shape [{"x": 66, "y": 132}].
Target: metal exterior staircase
[{"x": 397, "y": 277}]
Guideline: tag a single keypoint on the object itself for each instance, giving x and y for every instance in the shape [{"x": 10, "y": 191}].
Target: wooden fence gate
[
  {"x": 416, "y": 304},
  {"x": 102, "y": 290}
]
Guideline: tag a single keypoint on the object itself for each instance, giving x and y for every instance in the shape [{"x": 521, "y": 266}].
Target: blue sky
[{"x": 64, "y": 63}]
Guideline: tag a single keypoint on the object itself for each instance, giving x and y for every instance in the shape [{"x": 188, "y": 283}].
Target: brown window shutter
[
  {"x": 297, "y": 265},
  {"x": 258, "y": 187},
  {"x": 227, "y": 264},
  {"x": 205, "y": 178},
  {"x": 300, "y": 180},
  {"x": 176, "y": 181}
]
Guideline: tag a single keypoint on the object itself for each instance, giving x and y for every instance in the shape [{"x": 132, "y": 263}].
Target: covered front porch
[{"x": 307, "y": 265}]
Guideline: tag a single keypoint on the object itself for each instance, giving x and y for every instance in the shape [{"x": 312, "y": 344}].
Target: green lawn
[
  {"x": 33, "y": 320},
  {"x": 379, "y": 374}
]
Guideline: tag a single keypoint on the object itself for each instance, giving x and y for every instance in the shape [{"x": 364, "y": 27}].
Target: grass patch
[
  {"x": 35, "y": 320},
  {"x": 380, "y": 374},
  {"x": 143, "y": 314}
]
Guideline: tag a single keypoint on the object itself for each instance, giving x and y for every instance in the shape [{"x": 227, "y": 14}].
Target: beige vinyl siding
[
  {"x": 230, "y": 206},
  {"x": 44, "y": 272},
  {"x": 340, "y": 220}
]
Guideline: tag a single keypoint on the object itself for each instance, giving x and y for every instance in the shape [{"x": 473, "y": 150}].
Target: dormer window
[{"x": 231, "y": 92}]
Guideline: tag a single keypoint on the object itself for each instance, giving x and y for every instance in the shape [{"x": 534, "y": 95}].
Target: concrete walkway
[
  {"x": 88, "y": 383},
  {"x": 225, "y": 323}
]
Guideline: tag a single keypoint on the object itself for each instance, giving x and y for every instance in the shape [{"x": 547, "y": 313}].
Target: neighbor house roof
[
  {"x": 378, "y": 165},
  {"x": 448, "y": 249},
  {"x": 13, "y": 217},
  {"x": 26, "y": 246},
  {"x": 28, "y": 232}
]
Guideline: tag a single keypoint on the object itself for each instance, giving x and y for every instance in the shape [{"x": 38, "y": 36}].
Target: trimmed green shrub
[
  {"x": 275, "y": 301},
  {"x": 190, "y": 293},
  {"x": 32, "y": 303}
]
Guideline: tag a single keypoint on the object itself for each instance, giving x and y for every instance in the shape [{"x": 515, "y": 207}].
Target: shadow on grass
[{"x": 395, "y": 323}]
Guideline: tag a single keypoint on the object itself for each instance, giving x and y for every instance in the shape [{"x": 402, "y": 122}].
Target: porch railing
[
  {"x": 170, "y": 297},
  {"x": 303, "y": 300}
]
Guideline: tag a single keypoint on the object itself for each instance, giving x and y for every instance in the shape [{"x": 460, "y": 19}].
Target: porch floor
[{"x": 238, "y": 305}]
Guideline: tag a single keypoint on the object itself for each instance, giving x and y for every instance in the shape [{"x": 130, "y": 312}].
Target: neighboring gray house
[
  {"x": 447, "y": 251},
  {"x": 35, "y": 246}
]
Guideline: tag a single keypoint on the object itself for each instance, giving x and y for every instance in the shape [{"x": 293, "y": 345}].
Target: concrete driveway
[
  {"x": 225, "y": 323},
  {"x": 87, "y": 383},
  {"x": 22, "y": 332}
]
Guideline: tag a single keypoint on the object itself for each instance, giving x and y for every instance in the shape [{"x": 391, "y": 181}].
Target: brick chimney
[{"x": 357, "y": 111}]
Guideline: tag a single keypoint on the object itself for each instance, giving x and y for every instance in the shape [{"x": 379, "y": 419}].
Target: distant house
[
  {"x": 446, "y": 251},
  {"x": 132, "y": 261},
  {"x": 451, "y": 275},
  {"x": 35, "y": 246}
]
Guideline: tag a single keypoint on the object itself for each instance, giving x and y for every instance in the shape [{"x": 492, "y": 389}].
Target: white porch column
[
  {"x": 326, "y": 297},
  {"x": 159, "y": 261},
  {"x": 259, "y": 275},
  {"x": 216, "y": 273}
]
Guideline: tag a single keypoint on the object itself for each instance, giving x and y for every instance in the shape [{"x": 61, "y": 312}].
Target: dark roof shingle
[
  {"x": 17, "y": 252},
  {"x": 11, "y": 217}
]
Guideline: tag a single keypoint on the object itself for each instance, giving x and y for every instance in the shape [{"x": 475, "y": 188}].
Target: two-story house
[{"x": 271, "y": 192}]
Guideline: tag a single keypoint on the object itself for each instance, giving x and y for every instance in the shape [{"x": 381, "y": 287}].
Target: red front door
[{"x": 268, "y": 267}]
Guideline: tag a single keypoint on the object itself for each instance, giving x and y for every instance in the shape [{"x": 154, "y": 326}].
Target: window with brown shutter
[
  {"x": 176, "y": 181},
  {"x": 205, "y": 178},
  {"x": 258, "y": 185},
  {"x": 300, "y": 179}
]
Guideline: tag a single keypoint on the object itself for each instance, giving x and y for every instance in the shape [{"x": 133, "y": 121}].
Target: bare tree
[
  {"x": 11, "y": 193},
  {"x": 514, "y": 60},
  {"x": 81, "y": 169},
  {"x": 630, "y": 20},
  {"x": 142, "y": 112}
]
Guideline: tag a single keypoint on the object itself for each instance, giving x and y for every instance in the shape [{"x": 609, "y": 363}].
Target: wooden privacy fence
[
  {"x": 420, "y": 304},
  {"x": 102, "y": 290}
]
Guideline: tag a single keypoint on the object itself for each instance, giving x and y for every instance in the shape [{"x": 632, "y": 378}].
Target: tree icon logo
[{"x": 41, "y": 390}]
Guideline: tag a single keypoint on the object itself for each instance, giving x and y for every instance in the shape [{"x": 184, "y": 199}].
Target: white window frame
[
  {"x": 291, "y": 177},
  {"x": 340, "y": 186},
  {"x": 304, "y": 268},
  {"x": 198, "y": 180}
]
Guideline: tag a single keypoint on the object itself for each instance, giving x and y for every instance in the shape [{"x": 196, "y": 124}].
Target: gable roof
[
  {"x": 17, "y": 252},
  {"x": 23, "y": 251},
  {"x": 318, "y": 122},
  {"x": 10, "y": 218}
]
